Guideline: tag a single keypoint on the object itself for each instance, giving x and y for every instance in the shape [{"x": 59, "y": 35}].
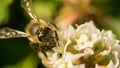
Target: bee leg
[
  {"x": 56, "y": 36},
  {"x": 37, "y": 47},
  {"x": 34, "y": 46},
  {"x": 44, "y": 52}
]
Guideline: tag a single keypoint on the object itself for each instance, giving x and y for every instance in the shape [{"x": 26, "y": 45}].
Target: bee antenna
[{"x": 38, "y": 19}]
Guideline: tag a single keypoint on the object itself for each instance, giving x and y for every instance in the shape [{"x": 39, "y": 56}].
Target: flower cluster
[{"x": 84, "y": 47}]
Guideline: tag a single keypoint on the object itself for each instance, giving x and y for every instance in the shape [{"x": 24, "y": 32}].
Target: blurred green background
[{"x": 16, "y": 53}]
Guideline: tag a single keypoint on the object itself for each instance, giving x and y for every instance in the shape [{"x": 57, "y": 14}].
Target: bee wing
[
  {"x": 7, "y": 32},
  {"x": 27, "y": 5}
]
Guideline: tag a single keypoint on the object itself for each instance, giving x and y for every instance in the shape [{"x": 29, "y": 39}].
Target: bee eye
[{"x": 34, "y": 28}]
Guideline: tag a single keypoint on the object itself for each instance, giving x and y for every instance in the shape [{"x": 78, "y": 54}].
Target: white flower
[{"x": 83, "y": 47}]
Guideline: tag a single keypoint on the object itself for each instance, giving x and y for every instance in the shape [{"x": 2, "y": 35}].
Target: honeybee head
[{"x": 33, "y": 28}]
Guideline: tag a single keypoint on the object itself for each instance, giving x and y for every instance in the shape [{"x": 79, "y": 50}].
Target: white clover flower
[{"x": 84, "y": 47}]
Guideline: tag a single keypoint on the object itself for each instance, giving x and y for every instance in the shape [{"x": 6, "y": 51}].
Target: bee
[{"x": 43, "y": 36}]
